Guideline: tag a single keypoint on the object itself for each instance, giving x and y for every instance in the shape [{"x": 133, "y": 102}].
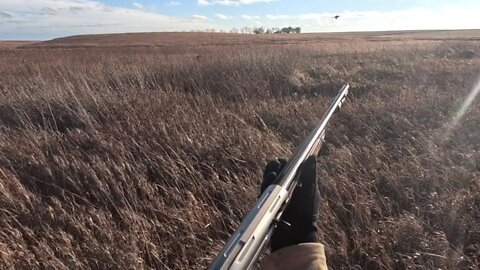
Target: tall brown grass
[{"x": 119, "y": 158}]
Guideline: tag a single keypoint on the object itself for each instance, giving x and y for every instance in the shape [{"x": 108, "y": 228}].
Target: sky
[{"x": 47, "y": 19}]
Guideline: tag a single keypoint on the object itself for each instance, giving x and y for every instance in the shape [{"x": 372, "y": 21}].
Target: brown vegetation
[
  {"x": 10, "y": 45},
  {"x": 148, "y": 157},
  {"x": 188, "y": 40}
]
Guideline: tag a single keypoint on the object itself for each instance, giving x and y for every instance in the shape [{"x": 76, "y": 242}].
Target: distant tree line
[
  {"x": 284, "y": 30},
  {"x": 257, "y": 30}
]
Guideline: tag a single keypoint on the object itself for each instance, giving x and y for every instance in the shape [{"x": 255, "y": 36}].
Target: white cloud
[
  {"x": 248, "y": 17},
  {"x": 223, "y": 16},
  {"x": 279, "y": 17},
  {"x": 43, "y": 19},
  {"x": 173, "y": 4},
  {"x": 137, "y": 5},
  {"x": 231, "y": 2},
  {"x": 204, "y": 3},
  {"x": 199, "y": 17}
]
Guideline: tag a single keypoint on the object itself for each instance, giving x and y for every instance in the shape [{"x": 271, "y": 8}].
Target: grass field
[{"x": 144, "y": 151}]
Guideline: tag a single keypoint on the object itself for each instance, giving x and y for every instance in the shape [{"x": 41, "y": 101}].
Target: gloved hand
[{"x": 303, "y": 210}]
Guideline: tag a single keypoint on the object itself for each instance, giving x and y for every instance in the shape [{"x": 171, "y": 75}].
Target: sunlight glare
[
  {"x": 463, "y": 109},
  {"x": 466, "y": 104}
]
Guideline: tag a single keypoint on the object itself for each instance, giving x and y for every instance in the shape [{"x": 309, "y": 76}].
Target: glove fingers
[
  {"x": 268, "y": 179},
  {"x": 271, "y": 172},
  {"x": 308, "y": 175},
  {"x": 306, "y": 195},
  {"x": 283, "y": 162},
  {"x": 272, "y": 166}
]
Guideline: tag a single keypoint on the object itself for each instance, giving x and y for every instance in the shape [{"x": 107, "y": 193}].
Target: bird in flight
[{"x": 336, "y": 17}]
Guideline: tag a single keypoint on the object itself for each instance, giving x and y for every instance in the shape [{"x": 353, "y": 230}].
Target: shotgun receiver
[{"x": 246, "y": 244}]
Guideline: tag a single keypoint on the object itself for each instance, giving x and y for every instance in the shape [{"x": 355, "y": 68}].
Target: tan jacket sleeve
[{"x": 309, "y": 256}]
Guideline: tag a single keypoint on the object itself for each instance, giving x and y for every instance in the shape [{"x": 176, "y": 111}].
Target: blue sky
[{"x": 46, "y": 19}]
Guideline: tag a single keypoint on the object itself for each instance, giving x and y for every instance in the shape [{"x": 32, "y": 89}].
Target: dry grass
[
  {"x": 182, "y": 42},
  {"x": 148, "y": 157},
  {"x": 10, "y": 45}
]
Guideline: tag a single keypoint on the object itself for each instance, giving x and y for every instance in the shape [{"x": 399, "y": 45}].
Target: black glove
[{"x": 302, "y": 212}]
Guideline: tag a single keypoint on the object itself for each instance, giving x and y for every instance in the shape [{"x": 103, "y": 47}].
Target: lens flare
[
  {"x": 463, "y": 109},
  {"x": 466, "y": 104}
]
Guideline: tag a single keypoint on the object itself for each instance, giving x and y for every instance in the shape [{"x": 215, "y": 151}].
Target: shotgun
[{"x": 248, "y": 241}]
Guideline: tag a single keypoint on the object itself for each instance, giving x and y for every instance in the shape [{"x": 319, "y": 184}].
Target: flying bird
[{"x": 336, "y": 17}]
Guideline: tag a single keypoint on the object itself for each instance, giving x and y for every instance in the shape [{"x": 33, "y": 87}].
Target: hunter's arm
[{"x": 308, "y": 256}]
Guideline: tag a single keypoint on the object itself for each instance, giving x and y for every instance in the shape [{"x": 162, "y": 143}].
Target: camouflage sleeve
[{"x": 310, "y": 256}]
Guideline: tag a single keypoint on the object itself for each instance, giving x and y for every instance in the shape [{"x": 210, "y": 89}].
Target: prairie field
[{"x": 145, "y": 151}]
